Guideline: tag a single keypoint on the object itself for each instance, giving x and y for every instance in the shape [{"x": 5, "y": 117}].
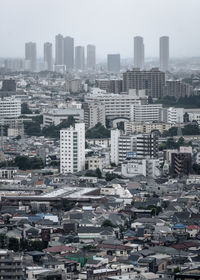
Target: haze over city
[{"x": 110, "y": 25}]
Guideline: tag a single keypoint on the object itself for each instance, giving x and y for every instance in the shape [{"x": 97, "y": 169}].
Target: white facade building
[
  {"x": 145, "y": 113},
  {"x": 56, "y": 116},
  {"x": 147, "y": 167},
  {"x": 72, "y": 149},
  {"x": 94, "y": 112},
  {"x": 118, "y": 105},
  {"x": 173, "y": 115},
  {"x": 10, "y": 107}
]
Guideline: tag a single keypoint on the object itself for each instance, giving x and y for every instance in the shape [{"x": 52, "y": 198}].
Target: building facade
[
  {"x": 164, "y": 53},
  {"x": 69, "y": 52},
  {"x": 138, "y": 52},
  {"x": 128, "y": 146},
  {"x": 91, "y": 57},
  {"x": 113, "y": 63},
  {"x": 59, "y": 50},
  {"x": 118, "y": 105},
  {"x": 80, "y": 58},
  {"x": 48, "y": 58},
  {"x": 94, "y": 112},
  {"x": 145, "y": 113},
  {"x": 10, "y": 107},
  {"x": 72, "y": 149},
  {"x": 152, "y": 81},
  {"x": 31, "y": 56}
]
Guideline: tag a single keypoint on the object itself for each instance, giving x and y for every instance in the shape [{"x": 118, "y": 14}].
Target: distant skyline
[{"x": 111, "y": 25}]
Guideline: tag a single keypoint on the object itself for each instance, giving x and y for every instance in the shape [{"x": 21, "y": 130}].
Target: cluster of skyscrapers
[
  {"x": 139, "y": 53},
  {"x": 68, "y": 57}
]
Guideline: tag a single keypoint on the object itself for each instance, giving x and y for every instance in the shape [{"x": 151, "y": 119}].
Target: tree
[
  {"x": 24, "y": 162},
  {"x": 3, "y": 241},
  {"x": 25, "y": 109},
  {"x": 107, "y": 223},
  {"x": 13, "y": 244},
  {"x": 98, "y": 131},
  {"x": 111, "y": 176},
  {"x": 98, "y": 173}
]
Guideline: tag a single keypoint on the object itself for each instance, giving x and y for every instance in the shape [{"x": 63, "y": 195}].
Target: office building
[
  {"x": 172, "y": 115},
  {"x": 148, "y": 167},
  {"x": 48, "y": 59},
  {"x": 94, "y": 112},
  {"x": 128, "y": 146},
  {"x": 9, "y": 85},
  {"x": 59, "y": 50},
  {"x": 145, "y": 113},
  {"x": 56, "y": 116},
  {"x": 152, "y": 81},
  {"x": 11, "y": 265},
  {"x": 31, "y": 56},
  {"x": 147, "y": 127},
  {"x": 72, "y": 149},
  {"x": 110, "y": 85},
  {"x": 10, "y": 107},
  {"x": 113, "y": 63},
  {"x": 80, "y": 58},
  {"x": 69, "y": 52},
  {"x": 91, "y": 57},
  {"x": 138, "y": 52},
  {"x": 178, "y": 89},
  {"x": 181, "y": 163},
  {"x": 164, "y": 53},
  {"x": 118, "y": 105}
]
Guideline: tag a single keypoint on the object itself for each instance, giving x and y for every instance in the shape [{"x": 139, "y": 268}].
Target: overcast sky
[{"x": 109, "y": 24}]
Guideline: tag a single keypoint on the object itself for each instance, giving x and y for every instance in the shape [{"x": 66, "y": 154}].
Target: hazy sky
[{"x": 109, "y": 24}]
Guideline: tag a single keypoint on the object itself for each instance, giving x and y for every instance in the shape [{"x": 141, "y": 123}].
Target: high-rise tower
[
  {"x": 91, "y": 57},
  {"x": 164, "y": 53},
  {"x": 31, "y": 55},
  {"x": 48, "y": 60},
  {"x": 80, "y": 58},
  {"x": 59, "y": 50},
  {"x": 138, "y": 52},
  {"x": 69, "y": 52}
]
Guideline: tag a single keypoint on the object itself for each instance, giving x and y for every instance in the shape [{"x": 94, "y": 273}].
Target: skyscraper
[
  {"x": 69, "y": 52},
  {"x": 164, "y": 53},
  {"x": 59, "y": 49},
  {"x": 113, "y": 63},
  {"x": 138, "y": 52},
  {"x": 48, "y": 60},
  {"x": 72, "y": 149},
  {"x": 91, "y": 57},
  {"x": 80, "y": 58},
  {"x": 31, "y": 55}
]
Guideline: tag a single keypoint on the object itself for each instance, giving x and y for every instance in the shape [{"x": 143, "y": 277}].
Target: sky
[{"x": 108, "y": 24}]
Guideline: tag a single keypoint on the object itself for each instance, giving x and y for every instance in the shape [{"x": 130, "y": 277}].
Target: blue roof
[{"x": 179, "y": 226}]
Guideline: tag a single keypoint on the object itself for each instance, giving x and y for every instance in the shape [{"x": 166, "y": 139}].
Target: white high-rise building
[
  {"x": 145, "y": 113},
  {"x": 164, "y": 53},
  {"x": 138, "y": 52},
  {"x": 72, "y": 149},
  {"x": 10, "y": 107}
]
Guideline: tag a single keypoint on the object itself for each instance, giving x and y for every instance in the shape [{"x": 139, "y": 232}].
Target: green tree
[
  {"x": 111, "y": 176},
  {"x": 13, "y": 244},
  {"x": 25, "y": 109},
  {"x": 107, "y": 223},
  {"x": 3, "y": 241},
  {"x": 25, "y": 163},
  {"x": 98, "y": 131}
]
